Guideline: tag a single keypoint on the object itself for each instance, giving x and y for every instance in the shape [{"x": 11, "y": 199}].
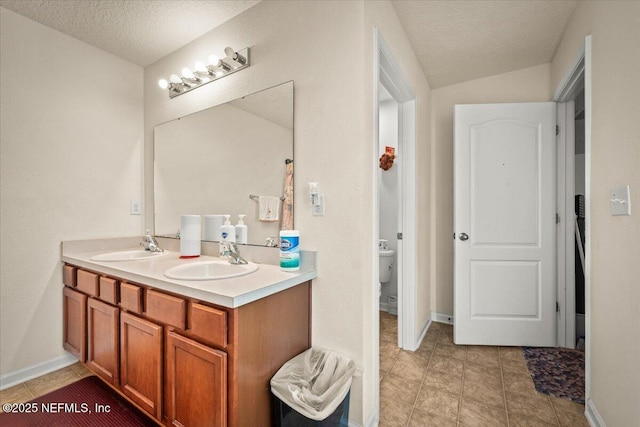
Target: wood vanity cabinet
[{"x": 186, "y": 362}]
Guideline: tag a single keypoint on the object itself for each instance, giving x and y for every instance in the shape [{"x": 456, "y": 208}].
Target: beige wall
[
  {"x": 318, "y": 45},
  {"x": 324, "y": 48},
  {"x": 71, "y": 142},
  {"x": 526, "y": 85},
  {"x": 615, "y": 160},
  {"x": 381, "y": 15}
]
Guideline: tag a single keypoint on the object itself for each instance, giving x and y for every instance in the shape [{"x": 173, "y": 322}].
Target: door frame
[
  {"x": 390, "y": 75},
  {"x": 565, "y": 93},
  {"x": 387, "y": 71},
  {"x": 581, "y": 68}
]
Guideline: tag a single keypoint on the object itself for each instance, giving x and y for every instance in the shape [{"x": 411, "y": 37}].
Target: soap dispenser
[
  {"x": 227, "y": 230},
  {"x": 241, "y": 231}
]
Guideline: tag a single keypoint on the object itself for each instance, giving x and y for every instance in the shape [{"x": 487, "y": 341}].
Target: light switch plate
[{"x": 620, "y": 201}]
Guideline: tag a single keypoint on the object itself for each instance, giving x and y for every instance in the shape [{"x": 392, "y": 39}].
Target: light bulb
[
  {"x": 174, "y": 78},
  {"x": 163, "y": 84},
  {"x": 214, "y": 60},
  {"x": 199, "y": 66},
  {"x": 230, "y": 52},
  {"x": 187, "y": 73}
]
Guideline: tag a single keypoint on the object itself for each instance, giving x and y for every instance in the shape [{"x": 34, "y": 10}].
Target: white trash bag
[{"x": 314, "y": 383}]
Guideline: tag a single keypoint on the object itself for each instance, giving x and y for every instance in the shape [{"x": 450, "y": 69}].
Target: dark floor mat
[{"x": 557, "y": 372}]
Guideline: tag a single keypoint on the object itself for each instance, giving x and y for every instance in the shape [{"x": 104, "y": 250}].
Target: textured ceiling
[
  {"x": 141, "y": 31},
  {"x": 457, "y": 41},
  {"x": 454, "y": 41}
]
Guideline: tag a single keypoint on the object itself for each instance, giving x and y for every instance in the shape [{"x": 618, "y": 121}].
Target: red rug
[{"x": 85, "y": 403}]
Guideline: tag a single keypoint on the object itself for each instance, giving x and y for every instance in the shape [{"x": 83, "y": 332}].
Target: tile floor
[
  {"x": 442, "y": 384},
  {"x": 42, "y": 385},
  {"x": 439, "y": 385}
]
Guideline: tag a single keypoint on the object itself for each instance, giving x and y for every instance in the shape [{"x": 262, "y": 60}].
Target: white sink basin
[
  {"x": 210, "y": 270},
  {"x": 132, "y": 255}
]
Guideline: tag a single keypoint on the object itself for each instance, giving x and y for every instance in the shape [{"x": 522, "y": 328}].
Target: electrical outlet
[
  {"x": 317, "y": 209},
  {"x": 136, "y": 207}
]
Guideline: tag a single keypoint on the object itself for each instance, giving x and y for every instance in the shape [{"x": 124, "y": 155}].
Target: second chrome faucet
[{"x": 230, "y": 251}]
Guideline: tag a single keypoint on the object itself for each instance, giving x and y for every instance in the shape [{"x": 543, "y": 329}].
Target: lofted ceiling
[
  {"x": 140, "y": 31},
  {"x": 458, "y": 40},
  {"x": 454, "y": 40}
]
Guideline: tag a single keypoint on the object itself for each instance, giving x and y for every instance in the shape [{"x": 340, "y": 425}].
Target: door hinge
[
  {"x": 557, "y": 218},
  {"x": 557, "y": 130},
  {"x": 399, "y": 236},
  {"x": 557, "y": 307}
]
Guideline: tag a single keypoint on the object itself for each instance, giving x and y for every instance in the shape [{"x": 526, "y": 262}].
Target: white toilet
[
  {"x": 385, "y": 256},
  {"x": 386, "y": 264}
]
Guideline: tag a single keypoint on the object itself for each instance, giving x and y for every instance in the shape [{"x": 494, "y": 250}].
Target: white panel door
[{"x": 504, "y": 207}]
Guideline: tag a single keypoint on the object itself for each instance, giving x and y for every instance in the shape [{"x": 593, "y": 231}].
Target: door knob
[{"x": 464, "y": 236}]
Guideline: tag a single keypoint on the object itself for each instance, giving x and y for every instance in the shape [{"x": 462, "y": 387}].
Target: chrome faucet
[
  {"x": 272, "y": 242},
  {"x": 230, "y": 251},
  {"x": 150, "y": 244}
]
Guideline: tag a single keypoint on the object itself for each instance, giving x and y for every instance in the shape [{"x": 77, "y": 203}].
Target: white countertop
[{"x": 232, "y": 292}]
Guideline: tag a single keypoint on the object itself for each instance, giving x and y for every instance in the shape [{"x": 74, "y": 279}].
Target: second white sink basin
[
  {"x": 210, "y": 270},
  {"x": 132, "y": 255}
]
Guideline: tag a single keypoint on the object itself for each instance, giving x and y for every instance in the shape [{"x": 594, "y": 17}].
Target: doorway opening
[
  {"x": 572, "y": 193},
  {"x": 573, "y": 96},
  {"x": 389, "y": 203}
]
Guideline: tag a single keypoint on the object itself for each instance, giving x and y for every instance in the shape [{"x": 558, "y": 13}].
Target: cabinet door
[
  {"x": 102, "y": 340},
  {"x": 196, "y": 384},
  {"x": 141, "y": 362},
  {"x": 75, "y": 323}
]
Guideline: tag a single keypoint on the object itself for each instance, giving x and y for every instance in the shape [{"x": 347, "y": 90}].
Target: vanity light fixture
[{"x": 206, "y": 73}]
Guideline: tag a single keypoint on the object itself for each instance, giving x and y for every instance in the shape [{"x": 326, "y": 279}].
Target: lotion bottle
[
  {"x": 241, "y": 231},
  {"x": 227, "y": 230}
]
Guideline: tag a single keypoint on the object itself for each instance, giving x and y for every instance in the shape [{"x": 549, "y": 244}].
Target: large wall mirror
[{"x": 234, "y": 159}]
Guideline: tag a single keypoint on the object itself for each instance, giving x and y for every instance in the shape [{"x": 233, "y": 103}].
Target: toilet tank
[{"x": 386, "y": 265}]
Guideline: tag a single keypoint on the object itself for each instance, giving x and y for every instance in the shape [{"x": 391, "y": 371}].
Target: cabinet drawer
[
  {"x": 88, "y": 282},
  {"x": 166, "y": 308},
  {"x": 209, "y": 324},
  {"x": 131, "y": 297},
  {"x": 69, "y": 275},
  {"x": 108, "y": 290}
]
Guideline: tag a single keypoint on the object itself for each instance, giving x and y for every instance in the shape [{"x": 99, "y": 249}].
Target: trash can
[{"x": 312, "y": 390}]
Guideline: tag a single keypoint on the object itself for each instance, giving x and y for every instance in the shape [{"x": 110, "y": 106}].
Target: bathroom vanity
[{"x": 189, "y": 353}]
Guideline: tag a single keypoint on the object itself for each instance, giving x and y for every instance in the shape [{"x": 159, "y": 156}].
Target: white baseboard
[
  {"x": 31, "y": 372},
  {"x": 442, "y": 318},
  {"x": 372, "y": 421},
  {"x": 423, "y": 333},
  {"x": 593, "y": 417}
]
